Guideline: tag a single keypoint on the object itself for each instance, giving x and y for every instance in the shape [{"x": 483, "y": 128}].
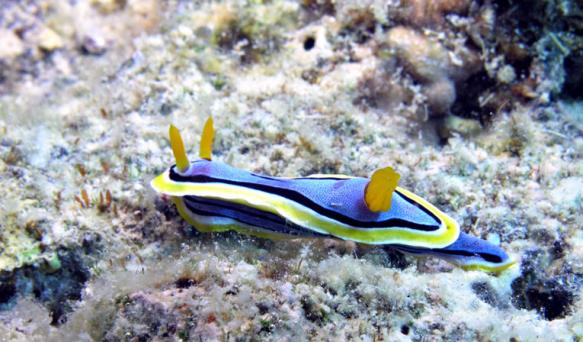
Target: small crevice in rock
[{"x": 551, "y": 295}]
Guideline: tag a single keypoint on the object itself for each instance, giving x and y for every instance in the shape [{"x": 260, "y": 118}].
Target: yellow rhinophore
[
  {"x": 206, "y": 142},
  {"x": 177, "y": 145}
]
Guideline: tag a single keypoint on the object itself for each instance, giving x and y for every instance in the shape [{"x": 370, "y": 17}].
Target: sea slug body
[{"x": 215, "y": 197}]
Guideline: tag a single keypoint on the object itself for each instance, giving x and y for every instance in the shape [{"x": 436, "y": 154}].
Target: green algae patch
[
  {"x": 18, "y": 248},
  {"x": 28, "y": 256},
  {"x": 53, "y": 262},
  {"x": 256, "y": 30}
]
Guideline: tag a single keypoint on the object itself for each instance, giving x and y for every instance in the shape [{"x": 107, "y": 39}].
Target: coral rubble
[{"x": 477, "y": 105}]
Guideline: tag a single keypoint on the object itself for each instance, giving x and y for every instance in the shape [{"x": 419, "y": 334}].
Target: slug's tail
[{"x": 469, "y": 253}]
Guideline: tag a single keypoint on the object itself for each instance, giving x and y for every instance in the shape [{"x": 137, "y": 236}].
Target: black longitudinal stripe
[
  {"x": 250, "y": 215},
  {"x": 303, "y": 200},
  {"x": 405, "y": 197},
  {"x": 302, "y": 178},
  {"x": 195, "y": 200},
  {"x": 409, "y": 200},
  {"x": 242, "y": 214},
  {"x": 486, "y": 256}
]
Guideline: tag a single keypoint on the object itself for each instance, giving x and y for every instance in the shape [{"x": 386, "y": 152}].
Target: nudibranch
[{"x": 215, "y": 197}]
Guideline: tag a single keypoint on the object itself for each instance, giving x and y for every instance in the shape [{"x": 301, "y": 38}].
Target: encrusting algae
[{"x": 480, "y": 117}]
